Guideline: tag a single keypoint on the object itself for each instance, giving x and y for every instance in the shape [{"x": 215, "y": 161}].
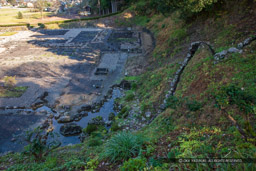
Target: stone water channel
[
  {"x": 18, "y": 124},
  {"x": 65, "y": 72}
]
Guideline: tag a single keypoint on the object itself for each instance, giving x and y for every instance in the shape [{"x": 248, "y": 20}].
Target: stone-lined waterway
[{"x": 60, "y": 67}]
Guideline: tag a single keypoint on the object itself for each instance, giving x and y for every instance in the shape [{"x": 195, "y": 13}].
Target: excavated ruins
[{"x": 69, "y": 75}]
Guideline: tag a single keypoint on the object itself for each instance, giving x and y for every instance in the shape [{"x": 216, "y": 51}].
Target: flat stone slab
[{"x": 53, "y": 32}]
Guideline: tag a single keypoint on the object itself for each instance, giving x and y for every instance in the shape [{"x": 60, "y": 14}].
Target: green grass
[
  {"x": 8, "y": 34},
  {"x": 123, "y": 146},
  {"x": 16, "y": 92},
  {"x": 9, "y": 16}
]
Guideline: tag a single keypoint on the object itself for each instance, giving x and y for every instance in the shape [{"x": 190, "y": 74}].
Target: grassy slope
[{"x": 192, "y": 125}]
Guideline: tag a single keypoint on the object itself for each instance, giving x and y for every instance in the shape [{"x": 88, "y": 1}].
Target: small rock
[
  {"x": 62, "y": 111},
  {"x": 97, "y": 121},
  {"x": 111, "y": 116},
  {"x": 220, "y": 55},
  {"x": 84, "y": 113},
  {"x": 148, "y": 114},
  {"x": 86, "y": 107},
  {"x": 108, "y": 123},
  {"x": 82, "y": 137},
  {"x": 57, "y": 116},
  {"x": 43, "y": 111},
  {"x": 66, "y": 114},
  {"x": 50, "y": 116},
  {"x": 70, "y": 129},
  {"x": 233, "y": 50},
  {"x": 240, "y": 46},
  {"x": 65, "y": 119}
]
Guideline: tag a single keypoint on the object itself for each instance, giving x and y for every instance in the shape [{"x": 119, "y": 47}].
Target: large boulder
[
  {"x": 70, "y": 129},
  {"x": 85, "y": 107},
  {"x": 66, "y": 119},
  {"x": 97, "y": 121},
  {"x": 126, "y": 85}
]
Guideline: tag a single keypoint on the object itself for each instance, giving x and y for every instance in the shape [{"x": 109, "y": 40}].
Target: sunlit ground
[{"x": 9, "y": 16}]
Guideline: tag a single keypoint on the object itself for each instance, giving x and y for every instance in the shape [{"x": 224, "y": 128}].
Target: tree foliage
[{"x": 186, "y": 7}]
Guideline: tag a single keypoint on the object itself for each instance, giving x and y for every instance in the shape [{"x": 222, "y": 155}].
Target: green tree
[
  {"x": 20, "y": 15},
  {"x": 12, "y": 2}
]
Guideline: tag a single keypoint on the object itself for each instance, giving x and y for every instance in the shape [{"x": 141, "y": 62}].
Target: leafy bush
[
  {"x": 123, "y": 113},
  {"x": 186, "y": 7},
  {"x": 94, "y": 142},
  {"x": 134, "y": 164},
  {"x": 178, "y": 35},
  {"x": 233, "y": 95},
  {"x": 134, "y": 86},
  {"x": 129, "y": 96},
  {"x": 38, "y": 145},
  {"x": 92, "y": 164},
  {"x": 10, "y": 81},
  {"x": 51, "y": 162},
  {"x": 41, "y": 25},
  {"x": 72, "y": 164},
  {"x": 172, "y": 102},
  {"x": 115, "y": 127},
  {"x": 155, "y": 162},
  {"x": 111, "y": 116},
  {"x": 193, "y": 105},
  {"x": 98, "y": 120},
  {"x": 20, "y": 15},
  {"x": 90, "y": 128},
  {"x": 123, "y": 146}
]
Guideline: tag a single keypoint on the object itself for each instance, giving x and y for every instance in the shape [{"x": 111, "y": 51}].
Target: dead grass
[{"x": 8, "y": 34}]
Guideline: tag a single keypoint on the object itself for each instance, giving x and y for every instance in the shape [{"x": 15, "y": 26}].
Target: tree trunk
[
  {"x": 113, "y": 5},
  {"x": 99, "y": 7},
  {"x": 41, "y": 14}
]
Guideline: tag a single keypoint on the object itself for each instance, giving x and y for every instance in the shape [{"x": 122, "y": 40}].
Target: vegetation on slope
[{"x": 201, "y": 121}]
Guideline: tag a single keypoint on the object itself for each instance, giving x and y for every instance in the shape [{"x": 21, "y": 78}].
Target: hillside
[{"x": 192, "y": 96}]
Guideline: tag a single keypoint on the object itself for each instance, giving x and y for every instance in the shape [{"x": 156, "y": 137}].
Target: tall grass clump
[
  {"x": 123, "y": 146},
  {"x": 20, "y": 15}
]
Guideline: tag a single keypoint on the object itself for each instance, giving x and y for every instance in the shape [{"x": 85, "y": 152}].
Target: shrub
[
  {"x": 72, "y": 164},
  {"x": 20, "y": 15},
  {"x": 38, "y": 146},
  {"x": 233, "y": 95},
  {"x": 92, "y": 164},
  {"x": 94, "y": 142},
  {"x": 123, "y": 113},
  {"x": 129, "y": 96},
  {"x": 123, "y": 146},
  {"x": 10, "y": 81},
  {"x": 41, "y": 25},
  {"x": 98, "y": 120},
  {"x": 134, "y": 86},
  {"x": 178, "y": 35},
  {"x": 115, "y": 127},
  {"x": 90, "y": 128},
  {"x": 111, "y": 116},
  {"x": 172, "y": 102},
  {"x": 193, "y": 105},
  {"x": 134, "y": 164}
]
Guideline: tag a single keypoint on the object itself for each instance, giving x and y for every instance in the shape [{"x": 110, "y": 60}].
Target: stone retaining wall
[{"x": 218, "y": 57}]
